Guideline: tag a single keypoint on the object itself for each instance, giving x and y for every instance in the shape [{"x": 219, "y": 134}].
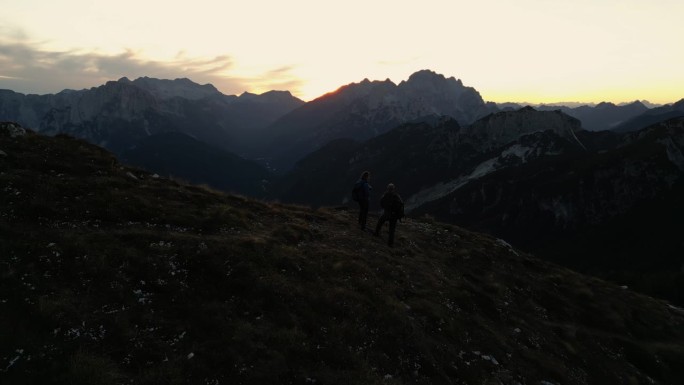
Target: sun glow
[{"x": 528, "y": 50}]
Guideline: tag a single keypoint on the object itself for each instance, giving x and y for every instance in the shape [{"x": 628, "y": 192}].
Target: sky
[{"x": 537, "y": 51}]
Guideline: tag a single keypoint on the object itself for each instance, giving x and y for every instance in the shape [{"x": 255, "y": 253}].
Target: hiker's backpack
[
  {"x": 398, "y": 209},
  {"x": 356, "y": 192}
]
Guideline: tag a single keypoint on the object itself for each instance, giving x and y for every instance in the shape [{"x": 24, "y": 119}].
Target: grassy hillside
[{"x": 110, "y": 276}]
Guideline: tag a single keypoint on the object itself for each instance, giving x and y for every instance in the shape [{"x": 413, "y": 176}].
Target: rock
[
  {"x": 130, "y": 175},
  {"x": 12, "y": 129},
  {"x": 505, "y": 127},
  {"x": 3, "y": 153}
]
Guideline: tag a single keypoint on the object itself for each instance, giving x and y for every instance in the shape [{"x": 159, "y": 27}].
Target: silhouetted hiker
[
  {"x": 393, "y": 208},
  {"x": 361, "y": 194}
]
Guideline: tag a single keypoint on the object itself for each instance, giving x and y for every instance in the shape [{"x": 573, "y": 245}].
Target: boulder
[{"x": 11, "y": 129}]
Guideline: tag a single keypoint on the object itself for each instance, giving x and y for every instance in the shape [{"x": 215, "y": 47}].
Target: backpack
[
  {"x": 356, "y": 192},
  {"x": 398, "y": 209},
  {"x": 393, "y": 205}
]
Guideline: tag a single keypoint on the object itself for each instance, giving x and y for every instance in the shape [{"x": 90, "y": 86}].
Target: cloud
[
  {"x": 280, "y": 79},
  {"x": 27, "y": 68}
]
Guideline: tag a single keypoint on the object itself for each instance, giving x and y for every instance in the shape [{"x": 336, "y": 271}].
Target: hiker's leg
[
  {"x": 392, "y": 228},
  {"x": 381, "y": 221},
  {"x": 363, "y": 214}
]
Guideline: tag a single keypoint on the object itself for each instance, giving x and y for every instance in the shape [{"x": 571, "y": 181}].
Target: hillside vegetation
[{"x": 111, "y": 276}]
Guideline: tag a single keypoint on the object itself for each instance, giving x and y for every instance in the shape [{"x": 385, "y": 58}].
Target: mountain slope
[
  {"x": 502, "y": 128},
  {"x": 614, "y": 212},
  {"x": 420, "y": 157},
  {"x": 178, "y": 155},
  {"x": 112, "y": 279}
]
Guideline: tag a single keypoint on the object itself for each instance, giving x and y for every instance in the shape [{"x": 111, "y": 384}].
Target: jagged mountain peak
[
  {"x": 369, "y": 108},
  {"x": 429, "y": 76},
  {"x": 278, "y": 93},
  {"x": 360, "y": 90},
  {"x": 638, "y": 103},
  {"x": 425, "y": 74},
  {"x": 649, "y": 104},
  {"x": 271, "y": 97},
  {"x": 605, "y": 105},
  {"x": 179, "y": 87},
  {"x": 430, "y": 80},
  {"x": 247, "y": 95},
  {"x": 679, "y": 105}
]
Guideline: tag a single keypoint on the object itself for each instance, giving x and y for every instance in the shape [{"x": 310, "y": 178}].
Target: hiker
[
  {"x": 393, "y": 208},
  {"x": 361, "y": 194}
]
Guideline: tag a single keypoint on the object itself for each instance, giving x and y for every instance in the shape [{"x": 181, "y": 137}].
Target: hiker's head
[
  {"x": 390, "y": 187},
  {"x": 365, "y": 175}
]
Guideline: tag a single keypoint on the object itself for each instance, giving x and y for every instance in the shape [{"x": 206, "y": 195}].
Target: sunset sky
[{"x": 509, "y": 50}]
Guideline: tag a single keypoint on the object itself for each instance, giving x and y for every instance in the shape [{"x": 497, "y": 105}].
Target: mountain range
[
  {"x": 111, "y": 274},
  {"x": 422, "y": 157},
  {"x": 118, "y": 114},
  {"x": 603, "y": 116},
  {"x": 653, "y": 116},
  {"x": 276, "y": 128},
  {"x": 367, "y": 109}
]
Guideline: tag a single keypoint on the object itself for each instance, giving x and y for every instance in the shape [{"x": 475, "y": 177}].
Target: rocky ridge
[
  {"x": 178, "y": 88},
  {"x": 119, "y": 114},
  {"x": 364, "y": 110}
]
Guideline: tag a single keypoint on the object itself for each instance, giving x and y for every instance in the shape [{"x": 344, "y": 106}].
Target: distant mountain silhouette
[
  {"x": 603, "y": 116},
  {"x": 179, "y": 88},
  {"x": 364, "y": 110},
  {"x": 110, "y": 276},
  {"x": 653, "y": 116},
  {"x": 119, "y": 114}
]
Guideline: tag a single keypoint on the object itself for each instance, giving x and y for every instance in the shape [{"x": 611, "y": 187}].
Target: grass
[{"x": 110, "y": 279}]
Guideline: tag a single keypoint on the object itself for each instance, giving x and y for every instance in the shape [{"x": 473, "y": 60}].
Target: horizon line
[{"x": 558, "y": 102}]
